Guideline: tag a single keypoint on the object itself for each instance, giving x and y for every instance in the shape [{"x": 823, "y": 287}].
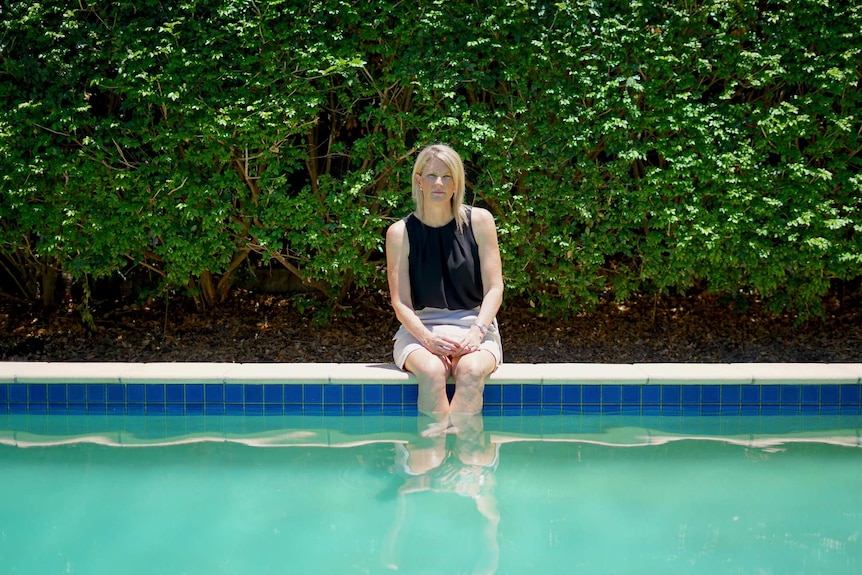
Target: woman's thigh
[{"x": 426, "y": 365}]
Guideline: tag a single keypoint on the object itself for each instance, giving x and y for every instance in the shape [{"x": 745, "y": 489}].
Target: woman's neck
[{"x": 437, "y": 218}]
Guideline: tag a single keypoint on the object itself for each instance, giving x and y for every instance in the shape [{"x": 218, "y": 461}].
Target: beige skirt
[{"x": 454, "y": 323}]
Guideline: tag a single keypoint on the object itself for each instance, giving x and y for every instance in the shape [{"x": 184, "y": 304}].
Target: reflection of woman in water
[{"x": 457, "y": 460}]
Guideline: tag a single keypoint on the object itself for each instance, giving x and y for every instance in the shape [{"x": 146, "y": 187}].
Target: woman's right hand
[{"x": 442, "y": 345}]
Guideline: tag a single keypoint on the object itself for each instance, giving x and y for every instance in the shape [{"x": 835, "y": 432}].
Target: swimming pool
[
  {"x": 371, "y": 494},
  {"x": 206, "y": 468}
]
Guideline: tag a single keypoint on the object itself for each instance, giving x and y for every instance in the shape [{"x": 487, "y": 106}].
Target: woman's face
[{"x": 437, "y": 183}]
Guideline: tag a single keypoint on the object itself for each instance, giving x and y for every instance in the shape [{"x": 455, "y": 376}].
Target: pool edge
[{"x": 360, "y": 373}]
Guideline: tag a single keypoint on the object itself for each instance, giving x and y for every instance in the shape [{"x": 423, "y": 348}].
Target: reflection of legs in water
[
  {"x": 438, "y": 426},
  {"x": 471, "y": 443},
  {"x": 428, "y": 450},
  {"x": 421, "y": 455},
  {"x": 474, "y": 449},
  {"x": 472, "y": 446},
  {"x": 487, "y": 506},
  {"x": 466, "y": 468}
]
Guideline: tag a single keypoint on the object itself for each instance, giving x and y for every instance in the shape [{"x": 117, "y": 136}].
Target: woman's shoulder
[
  {"x": 397, "y": 230},
  {"x": 480, "y": 212},
  {"x": 481, "y": 217},
  {"x": 398, "y": 226}
]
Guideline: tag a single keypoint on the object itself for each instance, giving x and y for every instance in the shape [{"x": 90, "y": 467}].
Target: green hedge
[{"x": 624, "y": 147}]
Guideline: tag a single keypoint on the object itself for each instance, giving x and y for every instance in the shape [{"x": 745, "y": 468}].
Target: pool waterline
[{"x": 609, "y": 430}]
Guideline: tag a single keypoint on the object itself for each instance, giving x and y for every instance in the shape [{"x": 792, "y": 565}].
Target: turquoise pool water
[{"x": 508, "y": 495}]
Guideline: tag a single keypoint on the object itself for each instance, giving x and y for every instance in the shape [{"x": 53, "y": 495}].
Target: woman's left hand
[{"x": 470, "y": 342}]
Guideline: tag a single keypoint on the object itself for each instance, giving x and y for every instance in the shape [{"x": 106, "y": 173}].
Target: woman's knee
[
  {"x": 474, "y": 368},
  {"x": 427, "y": 366}
]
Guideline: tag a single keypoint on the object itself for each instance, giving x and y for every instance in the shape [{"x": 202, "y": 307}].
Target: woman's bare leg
[
  {"x": 432, "y": 371},
  {"x": 470, "y": 372}
]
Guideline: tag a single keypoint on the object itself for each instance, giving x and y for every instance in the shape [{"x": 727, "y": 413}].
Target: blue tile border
[
  {"x": 515, "y": 389},
  {"x": 400, "y": 399}
]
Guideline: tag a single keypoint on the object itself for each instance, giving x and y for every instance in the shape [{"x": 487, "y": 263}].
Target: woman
[{"x": 446, "y": 285}]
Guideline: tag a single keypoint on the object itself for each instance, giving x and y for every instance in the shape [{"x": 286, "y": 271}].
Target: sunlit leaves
[{"x": 623, "y": 147}]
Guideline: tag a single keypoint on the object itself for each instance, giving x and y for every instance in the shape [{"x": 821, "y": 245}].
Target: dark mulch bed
[{"x": 268, "y": 328}]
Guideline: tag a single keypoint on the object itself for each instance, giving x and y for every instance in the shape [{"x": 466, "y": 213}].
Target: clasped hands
[{"x": 449, "y": 347}]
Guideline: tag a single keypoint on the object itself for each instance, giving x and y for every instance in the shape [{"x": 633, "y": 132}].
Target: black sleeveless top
[{"x": 444, "y": 265}]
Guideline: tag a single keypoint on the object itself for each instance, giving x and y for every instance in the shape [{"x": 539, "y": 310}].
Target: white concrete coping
[
  {"x": 43, "y": 372},
  {"x": 800, "y": 373},
  {"x": 174, "y": 372},
  {"x": 266, "y": 373},
  {"x": 360, "y": 373},
  {"x": 586, "y": 373},
  {"x": 699, "y": 373}
]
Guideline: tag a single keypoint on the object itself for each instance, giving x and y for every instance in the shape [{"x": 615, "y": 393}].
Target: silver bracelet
[{"x": 482, "y": 328}]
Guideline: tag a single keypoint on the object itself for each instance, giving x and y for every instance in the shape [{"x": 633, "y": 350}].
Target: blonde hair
[{"x": 453, "y": 162}]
